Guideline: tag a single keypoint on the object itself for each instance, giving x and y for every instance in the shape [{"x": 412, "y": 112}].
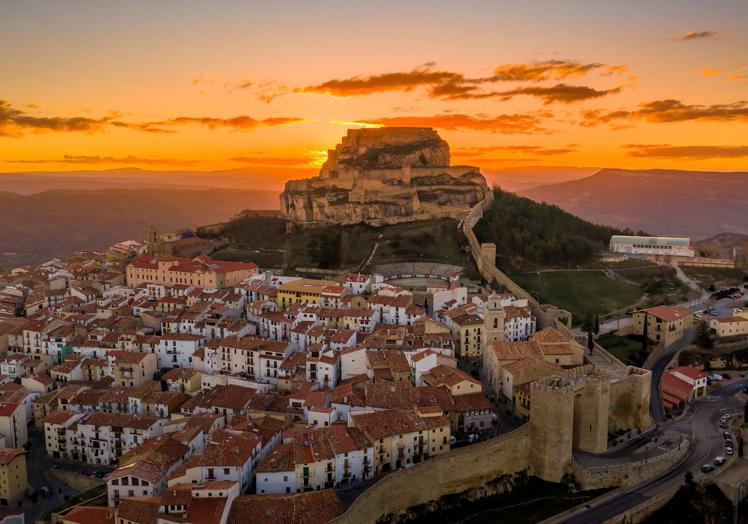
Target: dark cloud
[
  {"x": 662, "y": 111},
  {"x": 452, "y": 85},
  {"x": 273, "y": 161},
  {"x": 686, "y": 152},
  {"x": 13, "y": 122},
  {"x": 518, "y": 149},
  {"x": 550, "y": 70},
  {"x": 97, "y": 159},
  {"x": 399, "y": 81},
  {"x": 506, "y": 124},
  {"x": 563, "y": 93},
  {"x": 240, "y": 123},
  {"x": 696, "y": 35}
]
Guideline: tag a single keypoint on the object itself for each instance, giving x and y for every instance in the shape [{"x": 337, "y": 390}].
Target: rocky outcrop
[{"x": 382, "y": 176}]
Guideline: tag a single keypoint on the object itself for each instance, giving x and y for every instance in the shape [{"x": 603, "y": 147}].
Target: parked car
[
  {"x": 737, "y": 310},
  {"x": 728, "y": 451},
  {"x": 44, "y": 490},
  {"x": 718, "y": 461},
  {"x": 716, "y": 377},
  {"x": 726, "y": 376},
  {"x": 698, "y": 316},
  {"x": 706, "y": 468}
]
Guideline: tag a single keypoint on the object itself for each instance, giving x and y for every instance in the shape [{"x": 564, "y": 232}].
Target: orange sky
[{"x": 218, "y": 85}]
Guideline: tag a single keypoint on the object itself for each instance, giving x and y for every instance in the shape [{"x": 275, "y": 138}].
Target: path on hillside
[{"x": 371, "y": 254}]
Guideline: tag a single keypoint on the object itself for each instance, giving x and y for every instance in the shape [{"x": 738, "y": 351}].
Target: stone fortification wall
[
  {"x": 454, "y": 472},
  {"x": 630, "y": 473}
]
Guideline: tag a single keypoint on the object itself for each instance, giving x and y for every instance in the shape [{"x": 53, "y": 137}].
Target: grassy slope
[
  {"x": 262, "y": 238},
  {"x": 581, "y": 292}
]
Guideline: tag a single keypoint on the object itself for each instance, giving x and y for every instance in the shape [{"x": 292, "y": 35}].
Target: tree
[
  {"x": 645, "y": 334},
  {"x": 704, "y": 337},
  {"x": 587, "y": 323},
  {"x": 688, "y": 477},
  {"x": 745, "y": 413},
  {"x": 597, "y": 324},
  {"x": 590, "y": 342}
]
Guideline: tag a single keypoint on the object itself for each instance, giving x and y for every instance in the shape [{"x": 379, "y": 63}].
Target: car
[
  {"x": 737, "y": 310},
  {"x": 697, "y": 316},
  {"x": 706, "y": 468},
  {"x": 726, "y": 434},
  {"x": 44, "y": 490},
  {"x": 726, "y": 376},
  {"x": 723, "y": 425},
  {"x": 716, "y": 377},
  {"x": 718, "y": 461},
  {"x": 452, "y": 440},
  {"x": 55, "y": 466},
  {"x": 726, "y": 416},
  {"x": 407, "y": 466},
  {"x": 745, "y": 389},
  {"x": 728, "y": 451}
]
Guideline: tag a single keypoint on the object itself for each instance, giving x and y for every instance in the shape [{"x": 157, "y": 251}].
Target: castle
[{"x": 384, "y": 176}]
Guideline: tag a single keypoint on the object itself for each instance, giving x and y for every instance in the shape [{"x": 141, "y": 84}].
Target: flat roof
[{"x": 657, "y": 241}]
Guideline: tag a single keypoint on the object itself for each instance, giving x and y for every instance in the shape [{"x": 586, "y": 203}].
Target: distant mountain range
[
  {"x": 521, "y": 178},
  {"x": 52, "y": 223},
  {"x": 662, "y": 202}
]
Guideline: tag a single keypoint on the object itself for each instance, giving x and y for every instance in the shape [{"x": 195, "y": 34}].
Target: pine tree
[
  {"x": 597, "y": 324},
  {"x": 590, "y": 342}
]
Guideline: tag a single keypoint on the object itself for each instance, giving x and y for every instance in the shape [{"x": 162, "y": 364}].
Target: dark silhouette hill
[{"x": 661, "y": 202}]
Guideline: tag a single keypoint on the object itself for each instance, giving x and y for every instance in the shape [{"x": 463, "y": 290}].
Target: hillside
[
  {"x": 724, "y": 245},
  {"x": 529, "y": 234},
  {"x": 53, "y": 223},
  {"x": 662, "y": 202},
  {"x": 263, "y": 238}
]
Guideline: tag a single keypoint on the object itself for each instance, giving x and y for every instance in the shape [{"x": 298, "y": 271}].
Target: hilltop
[
  {"x": 662, "y": 202},
  {"x": 385, "y": 176},
  {"x": 532, "y": 234}
]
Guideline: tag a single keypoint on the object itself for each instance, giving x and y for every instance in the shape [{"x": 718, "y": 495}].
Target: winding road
[{"x": 701, "y": 423}]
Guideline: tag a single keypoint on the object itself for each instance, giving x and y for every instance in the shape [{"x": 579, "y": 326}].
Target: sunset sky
[{"x": 219, "y": 85}]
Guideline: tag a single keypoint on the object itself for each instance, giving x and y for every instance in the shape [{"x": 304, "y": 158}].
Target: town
[{"x": 207, "y": 391}]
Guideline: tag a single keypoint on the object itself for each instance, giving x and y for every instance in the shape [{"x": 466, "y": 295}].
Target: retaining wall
[
  {"x": 631, "y": 473},
  {"x": 454, "y": 472}
]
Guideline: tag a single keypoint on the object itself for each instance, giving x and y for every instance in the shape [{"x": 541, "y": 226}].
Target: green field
[
  {"x": 625, "y": 349},
  {"x": 581, "y": 292}
]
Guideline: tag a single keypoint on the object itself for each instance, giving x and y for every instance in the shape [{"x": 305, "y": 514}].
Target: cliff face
[{"x": 382, "y": 176}]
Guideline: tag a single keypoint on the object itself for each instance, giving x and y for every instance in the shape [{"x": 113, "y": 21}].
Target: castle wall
[
  {"x": 591, "y": 406},
  {"x": 630, "y": 473},
  {"x": 630, "y": 401},
  {"x": 552, "y": 427},
  {"x": 453, "y": 472}
]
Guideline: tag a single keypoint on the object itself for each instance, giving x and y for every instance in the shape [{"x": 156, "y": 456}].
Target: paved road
[
  {"x": 702, "y": 423},
  {"x": 659, "y": 368}
]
